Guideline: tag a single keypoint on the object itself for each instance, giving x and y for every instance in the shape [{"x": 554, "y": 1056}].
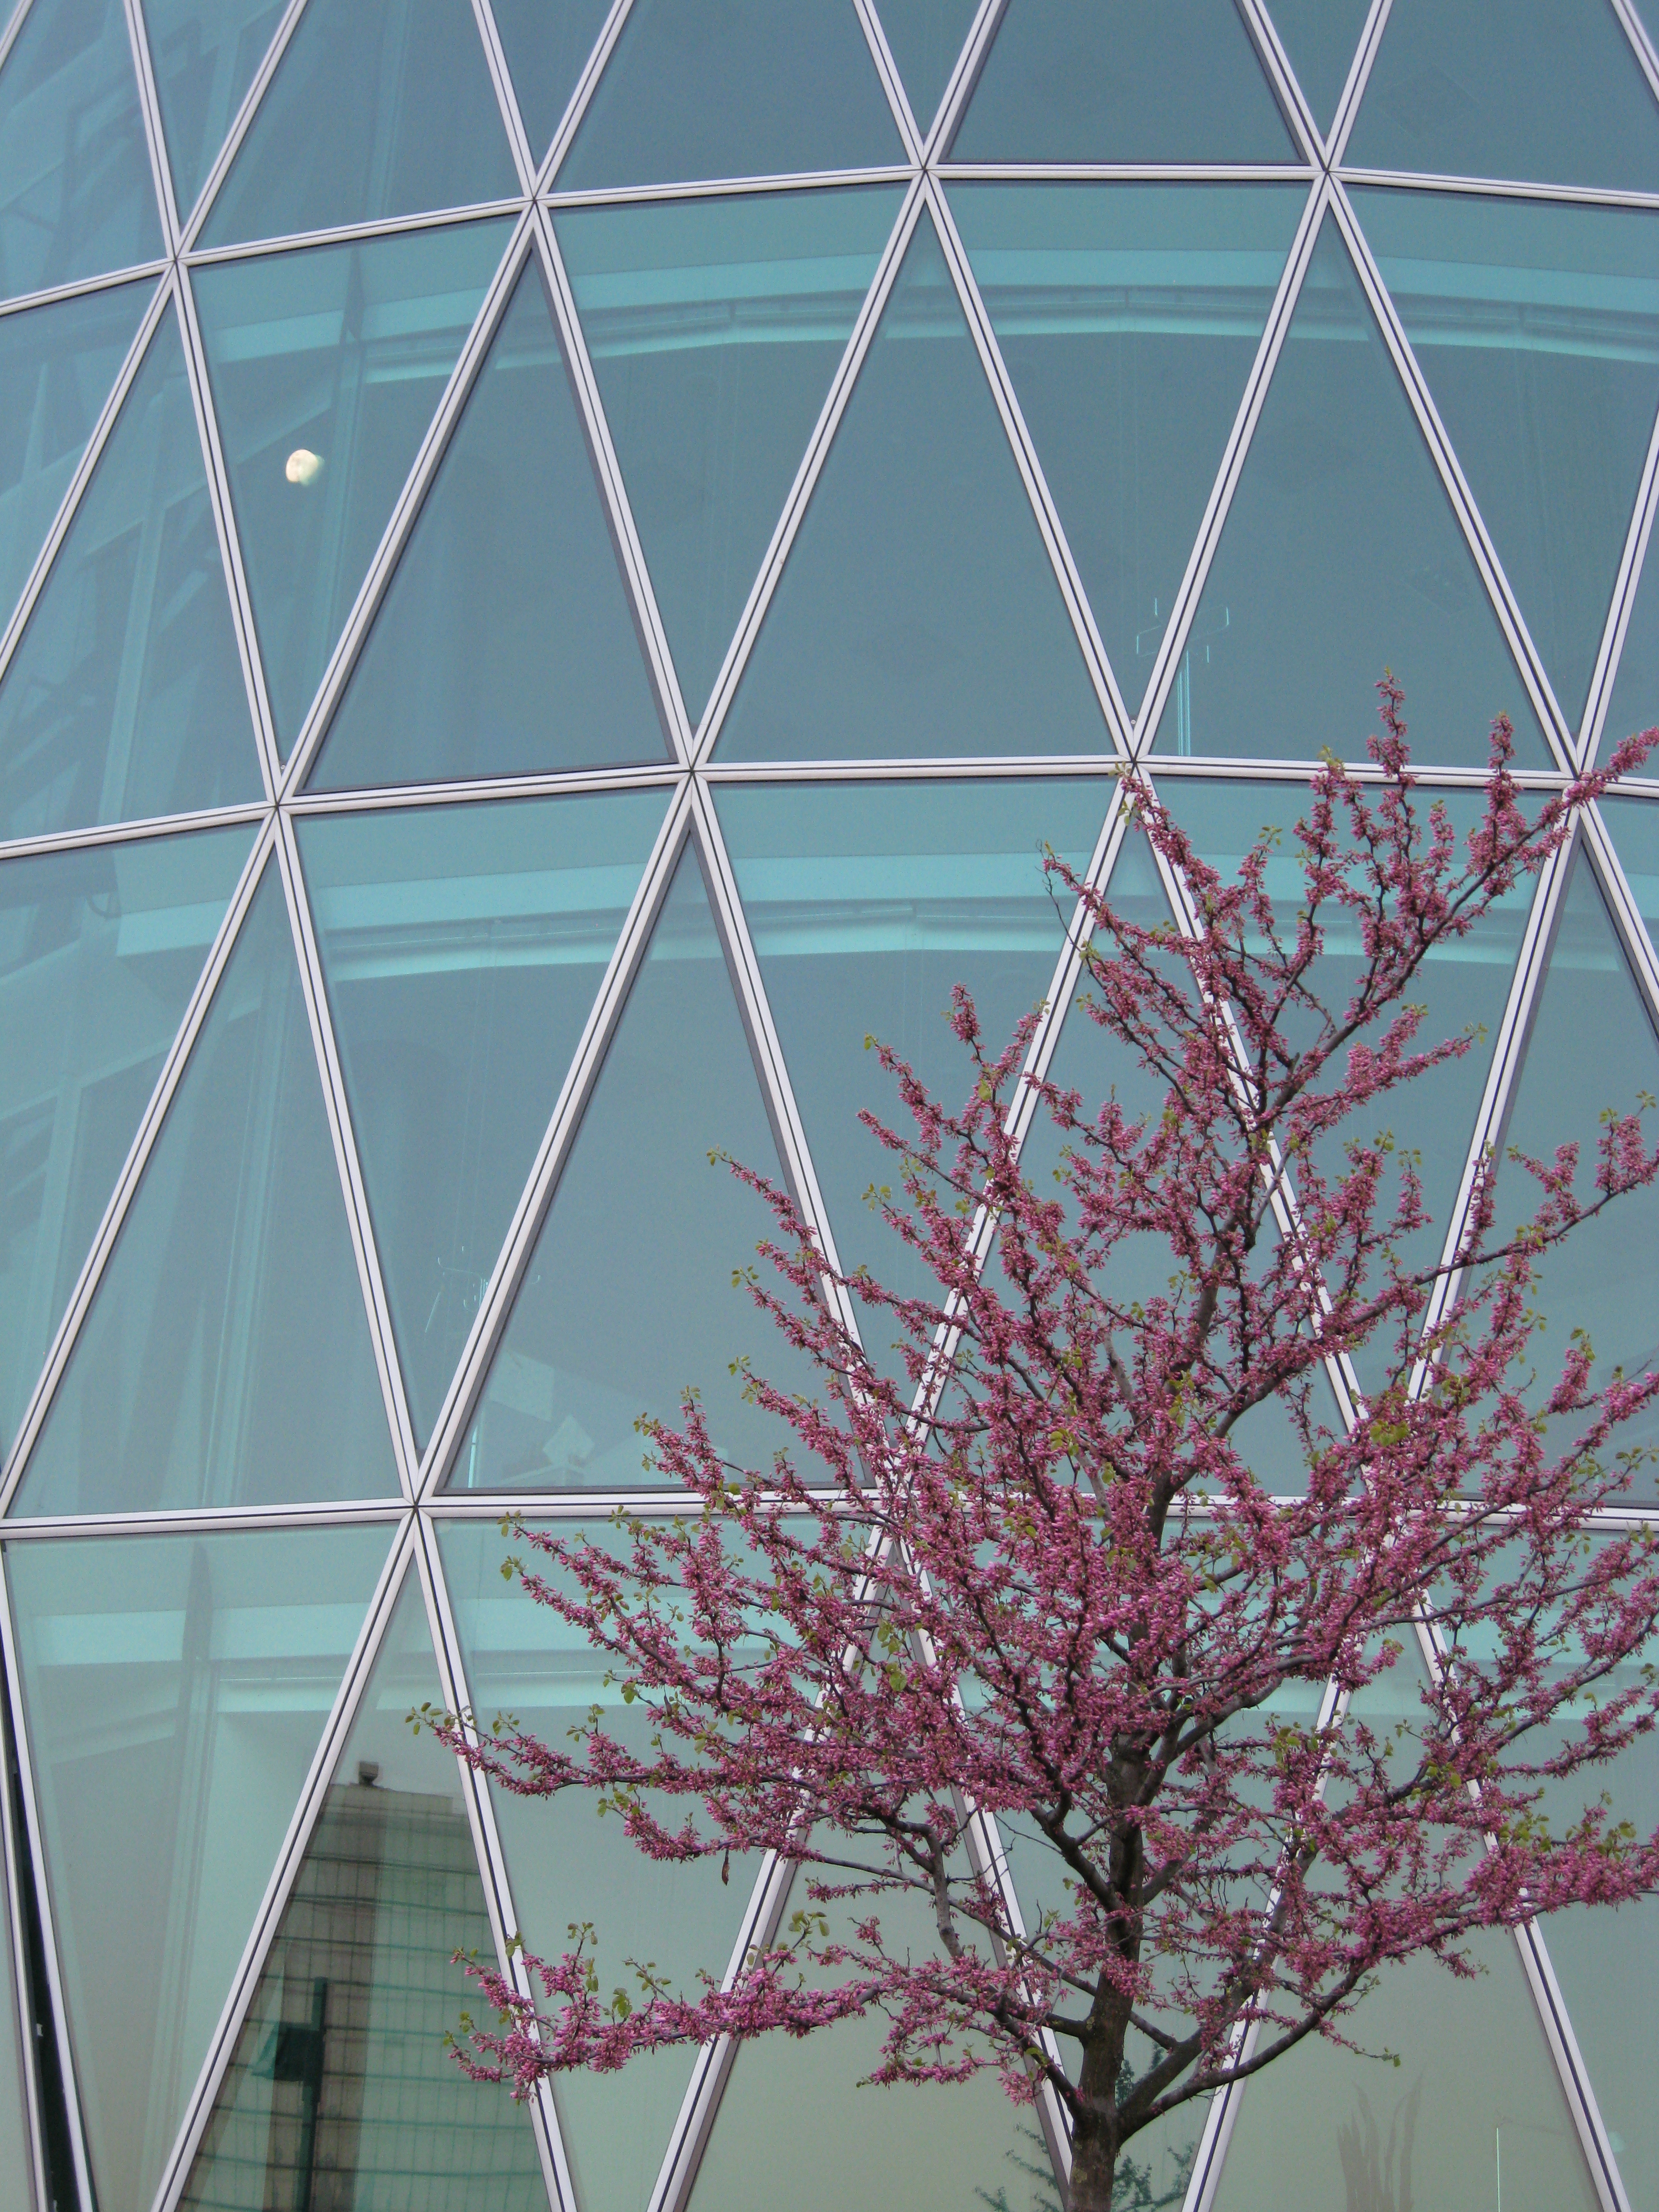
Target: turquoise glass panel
[
  {"x": 1635, "y": 702},
  {"x": 203, "y": 55},
  {"x": 225, "y": 1358},
  {"x": 918, "y": 612},
  {"x": 506, "y": 642},
  {"x": 99, "y": 951},
  {"x": 628, "y": 1298},
  {"x": 78, "y": 198},
  {"x": 867, "y": 903},
  {"x": 1340, "y": 557},
  {"x": 1320, "y": 36},
  {"x": 1128, "y": 316},
  {"x": 925, "y": 38},
  {"x": 1537, "y": 330},
  {"x": 462, "y": 947},
  {"x": 326, "y": 366},
  {"x": 378, "y": 108},
  {"x": 176, "y": 1689},
  {"x": 546, "y": 42},
  {"x": 715, "y": 327},
  {"x": 752, "y": 88},
  {"x": 125, "y": 697},
  {"x": 566, "y": 1864},
  {"x": 1634, "y": 825},
  {"x": 340, "y": 2083},
  {"x": 57, "y": 365},
  {"x": 1544, "y": 90},
  {"x": 1122, "y": 81}
]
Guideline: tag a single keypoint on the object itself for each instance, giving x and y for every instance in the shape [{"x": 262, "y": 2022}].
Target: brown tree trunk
[
  {"x": 1094, "y": 2162},
  {"x": 1095, "y": 2138}
]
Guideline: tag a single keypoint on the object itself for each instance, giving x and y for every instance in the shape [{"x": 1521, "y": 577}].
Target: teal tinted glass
[
  {"x": 566, "y": 1864},
  {"x": 16, "y": 2158},
  {"x": 1545, "y": 90},
  {"x": 1320, "y": 36},
  {"x": 867, "y": 903},
  {"x": 326, "y": 367},
  {"x": 750, "y": 89},
  {"x": 125, "y": 697},
  {"x": 326, "y": 149},
  {"x": 340, "y": 2075},
  {"x": 1635, "y": 702},
  {"x": 715, "y": 327},
  {"x": 506, "y": 642},
  {"x": 1537, "y": 330},
  {"x": 203, "y": 55},
  {"x": 1634, "y": 824},
  {"x": 57, "y": 365},
  {"x": 176, "y": 1689},
  {"x": 78, "y": 198},
  {"x": 546, "y": 43},
  {"x": 225, "y": 1358},
  {"x": 1122, "y": 81},
  {"x": 462, "y": 947},
  {"x": 629, "y": 1298},
  {"x": 1340, "y": 557},
  {"x": 99, "y": 953},
  {"x": 925, "y": 38},
  {"x": 918, "y": 611},
  {"x": 1128, "y": 316}
]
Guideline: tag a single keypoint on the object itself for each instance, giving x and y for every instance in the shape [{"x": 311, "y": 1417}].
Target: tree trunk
[{"x": 1094, "y": 2162}]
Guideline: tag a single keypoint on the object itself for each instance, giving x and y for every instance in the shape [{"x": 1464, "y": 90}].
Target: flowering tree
[{"x": 1058, "y": 1599}]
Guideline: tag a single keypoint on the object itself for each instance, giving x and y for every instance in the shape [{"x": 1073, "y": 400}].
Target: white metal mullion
[
  {"x": 15, "y": 1938},
  {"x": 14, "y": 24},
  {"x": 148, "y": 827},
  {"x": 1501, "y": 188},
  {"x": 1359, "y": 69},
  {"x": 559, "y": 783},
  {"x": 154, "y": 138},
  {"x": 207, "y": 1520},
  {"x": 960, "y": 88},
  {"x": 110, "y": 280},
  {"x": 582, "y": 92},
  {"x": 1625, "y": 589},
  {"x": 524, "y": 158},
  {"x": 1263, "y": 35},
  {"x": 240, "y": 124},
  {"x": 353, "y": 234},
  {"x": 1647, "y": 56},
  {"x": 167, "y": 1083},
  {"x": 892, "y": 83}
]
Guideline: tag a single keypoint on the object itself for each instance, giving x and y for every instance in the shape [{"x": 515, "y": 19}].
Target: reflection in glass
[
  {"x": 546, "y": 43},
  {"x": 225, "y": 1358},
  {"x": 1128, "y": 316},
  {"x": 99, "y": 951},
  {"x": 204, "y": 54},
  {"x": 1320, "y": 36},
  {"x": 326, "y": 368},
  {"x": 715, "y": 327},
  {"x": 1635, "y": 702},
  {"x": 462, "y": 947},
  {"x": 176, "y": 1689}
]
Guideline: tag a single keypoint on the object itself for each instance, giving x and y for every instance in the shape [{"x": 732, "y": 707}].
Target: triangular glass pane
[
  {"x": 1128, "y": 316},
  {"x": 1634, "y": 824},
  {"x": 203, "y": 55},
  {"x": 924, "y": 38},
  {"x": 378, "y": 108},
  {"x": 99, "y": 951},
  {"x": 1320, "y": 36},
  {"x": 327, "y": 366},
  {"x": 78, "y": 198},
  {"x": 506, "y": 642},
  {"x": 57, "y": 364},
  {"x": 1122, "y": 81},
  {"x": 1635, "y": 702},
  {"x": 750, "y": 89},
  {"x": 226, "y": 1359},
  {"x": 176, "y": 1689},
  {"x": 546, "y": 43},
  {"x": 1340, "y": 557},
  {"x": 17, "y": 2155},
  {"x": 341, "y": 2092},
  {"x": 918, "y": 612},
  {"x": 1537, "y": 330},
  {"x": 125, "y": 697},
  {"x": 715, "y": 327},
  {"x": 462, "y": 947},
  {"x": 1548, "y": 91},
  {"x": 629, "y": 1298},
  {"x": 566, "y": 1866}
]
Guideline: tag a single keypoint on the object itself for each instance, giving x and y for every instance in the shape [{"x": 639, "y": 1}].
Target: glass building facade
[{"x": 559, "y": 564}]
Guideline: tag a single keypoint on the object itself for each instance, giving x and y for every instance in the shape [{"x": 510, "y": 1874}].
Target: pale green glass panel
[
  {"x": 1128, "y": 316},
  {"x": 326, "y": 367},
  {"x": 567, "y": 1865},
  {"x": 546, "y": 43},
  {"x": 1320, "y": 36},
  {"x": 340, "y": 2091},
  {"x": 628, "y": 1298},
  {"x": 57, "y": 364},
  {"x": 925, "y": 38},
  {"x": 78, "y": 198},
  {"x": 918, "y": 612},
  {"x": 1122, "y": 81},
  {"x": 99, "y": 953},
  {"x": 462, "y": 947},
  {"x": 378, "y": 108},
  {"x": 1635, "y": 702},
  {"x": 226, "y": 1358},
  {"x": 125, "y": 697},
  {"x": 506, "y": 642},
  {"x": 204, "y": 54},
  {"x": 1545, "y": 90},
  {"x": 1537, "y": 330},
  {"x": 715, "y": 327},
  {"x": 1340, "y": 557},
  {"x": 750, "y": 89},
  {"x": 176, "y": 1689}
]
